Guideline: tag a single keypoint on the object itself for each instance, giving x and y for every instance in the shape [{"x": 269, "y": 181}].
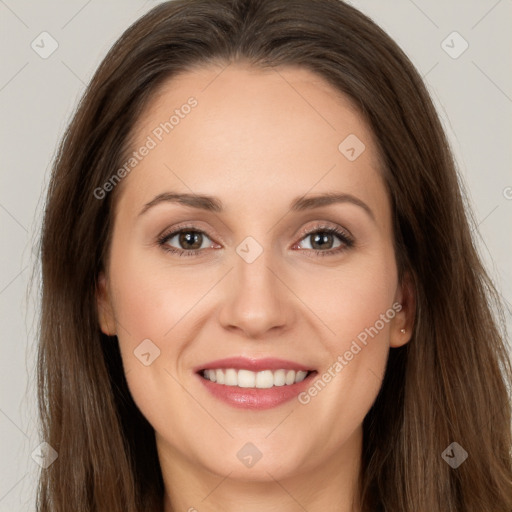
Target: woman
[{"x": 185, "y": 377}]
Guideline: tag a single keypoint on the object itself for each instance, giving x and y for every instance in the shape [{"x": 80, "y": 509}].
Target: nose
[{"x": 257, "y": 299}]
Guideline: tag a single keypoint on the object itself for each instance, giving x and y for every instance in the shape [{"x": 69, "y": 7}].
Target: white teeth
[
  {"x": 264, "y": 379},
  {"x": 231, "y": 378},
  {"x": 301, "y": 375},
  {"x": 248, "y": 379},
  {"x": 279, "y": 378}
]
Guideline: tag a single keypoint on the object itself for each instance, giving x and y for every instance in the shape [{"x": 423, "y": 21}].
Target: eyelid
[
  {"x": 327, "y": 226},
  {"x": 167, "y": 234}
]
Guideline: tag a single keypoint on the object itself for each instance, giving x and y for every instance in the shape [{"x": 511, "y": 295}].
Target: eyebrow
[{"x": 214, "y": 204}]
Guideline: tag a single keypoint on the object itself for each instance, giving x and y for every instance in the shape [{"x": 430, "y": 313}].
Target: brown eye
[
  {"x": 322, "y": 240},
  {"x": 189, "y": 242}
]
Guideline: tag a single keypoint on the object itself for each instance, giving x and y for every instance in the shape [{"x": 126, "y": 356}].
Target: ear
[
  {"x": 106, "y": 318},
  {"x": 403, "y": 322}
]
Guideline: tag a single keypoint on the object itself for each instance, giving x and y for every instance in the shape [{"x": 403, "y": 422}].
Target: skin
[{"x": 256, "y": 140}]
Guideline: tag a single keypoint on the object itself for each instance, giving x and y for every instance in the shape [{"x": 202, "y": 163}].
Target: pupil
[
  {"x": 192, "y": 237},
  {"x": 321, "y": 238}
]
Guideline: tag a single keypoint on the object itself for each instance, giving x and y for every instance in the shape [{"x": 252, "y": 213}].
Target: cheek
[
  {"x": 151, "y": 305},
  {"x": 151, "y": 298},
  {"x": 355, "y": 304},
  {"x": 351, "y": 297}
]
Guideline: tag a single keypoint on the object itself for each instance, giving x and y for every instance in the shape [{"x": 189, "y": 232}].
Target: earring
[{"x": 402, "y": 331}]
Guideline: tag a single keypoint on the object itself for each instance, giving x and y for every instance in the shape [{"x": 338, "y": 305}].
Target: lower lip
[{"x": 255, "y": 398}]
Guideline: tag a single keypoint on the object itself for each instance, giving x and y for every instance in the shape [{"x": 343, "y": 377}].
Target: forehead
[{"x": 250, "y": 135}]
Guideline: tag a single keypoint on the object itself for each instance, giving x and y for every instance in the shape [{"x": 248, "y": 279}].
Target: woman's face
[{"x": 269, "y": 284}]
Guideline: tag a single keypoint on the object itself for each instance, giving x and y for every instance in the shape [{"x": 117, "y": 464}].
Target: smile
[
  {"x": 248, "y": 379},
  {"x": 252, "y": 383}
]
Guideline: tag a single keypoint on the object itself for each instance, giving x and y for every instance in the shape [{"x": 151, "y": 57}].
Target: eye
[
  {"x": 190, "y": 241},
  {"x": 323, "y": 238}
]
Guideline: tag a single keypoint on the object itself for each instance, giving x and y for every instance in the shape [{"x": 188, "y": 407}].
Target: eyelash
[{"x": 345, "y": 238}]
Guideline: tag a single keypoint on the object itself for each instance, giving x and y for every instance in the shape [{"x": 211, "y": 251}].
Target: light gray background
[{"x": 473, "y": 94}]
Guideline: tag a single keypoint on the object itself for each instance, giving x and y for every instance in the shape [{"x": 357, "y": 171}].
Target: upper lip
[{"x": 255, "y": 365}]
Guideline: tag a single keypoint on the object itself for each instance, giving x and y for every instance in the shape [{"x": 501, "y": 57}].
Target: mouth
[
  {"x": 254, "y": 383},
  {"x": 264, "y": 379}
]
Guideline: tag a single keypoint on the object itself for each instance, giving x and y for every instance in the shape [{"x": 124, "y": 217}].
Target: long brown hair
[{"x": 448, "y": 384}]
